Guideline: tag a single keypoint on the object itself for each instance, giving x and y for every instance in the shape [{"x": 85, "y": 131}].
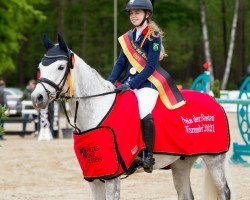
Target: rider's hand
[{"x": 122, "y": 88}]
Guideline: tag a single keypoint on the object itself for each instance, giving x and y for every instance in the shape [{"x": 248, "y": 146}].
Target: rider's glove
[{"x": 122, "y": 88}]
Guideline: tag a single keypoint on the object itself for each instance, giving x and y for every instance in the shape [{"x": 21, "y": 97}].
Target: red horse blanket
[{"x": 198, "y": 127}]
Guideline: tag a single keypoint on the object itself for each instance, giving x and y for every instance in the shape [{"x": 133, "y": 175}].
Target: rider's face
[{"x": 136, "y": 16}]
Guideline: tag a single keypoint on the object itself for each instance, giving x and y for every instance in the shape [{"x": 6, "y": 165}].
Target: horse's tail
[{"x": 210, "y": 192}]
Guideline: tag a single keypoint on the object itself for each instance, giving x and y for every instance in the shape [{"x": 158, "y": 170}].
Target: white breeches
[{"x": 146, "y": 98}]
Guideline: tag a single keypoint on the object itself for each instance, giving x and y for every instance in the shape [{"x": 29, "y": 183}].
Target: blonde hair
[{"x": 155, "y": 31}]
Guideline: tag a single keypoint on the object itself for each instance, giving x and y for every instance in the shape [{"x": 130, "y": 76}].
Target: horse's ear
[
  {"x": 61, "y": 43},
  {"x": 47, "y": 43}
]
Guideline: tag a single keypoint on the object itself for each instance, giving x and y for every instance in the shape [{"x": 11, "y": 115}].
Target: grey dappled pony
[{"x": 54, "y": 70}]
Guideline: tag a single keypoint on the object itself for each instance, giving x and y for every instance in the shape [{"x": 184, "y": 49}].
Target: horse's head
[{"x": 54, "y": 69}]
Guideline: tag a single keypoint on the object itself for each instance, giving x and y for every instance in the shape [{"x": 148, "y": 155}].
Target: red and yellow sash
[{"x": 169, "y": 93}]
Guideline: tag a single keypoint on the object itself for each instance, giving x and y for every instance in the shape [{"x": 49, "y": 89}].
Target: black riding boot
[{"x": 148, "y": 132}]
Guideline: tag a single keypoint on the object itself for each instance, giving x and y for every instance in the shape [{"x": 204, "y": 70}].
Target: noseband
[{"x": 57, "y": 87}]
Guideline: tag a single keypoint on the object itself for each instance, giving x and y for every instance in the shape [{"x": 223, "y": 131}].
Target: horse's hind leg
[
  {"x": 181, "y": 176},
  {"x": 216, "y": 168}
]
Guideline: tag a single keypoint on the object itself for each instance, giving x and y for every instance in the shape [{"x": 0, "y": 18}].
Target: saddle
[{"x": 109, "y": 150}]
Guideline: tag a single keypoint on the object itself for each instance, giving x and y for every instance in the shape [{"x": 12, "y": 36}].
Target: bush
[
  {"x": 216, "y": 88},
  {"x": 2, "y": 117}
]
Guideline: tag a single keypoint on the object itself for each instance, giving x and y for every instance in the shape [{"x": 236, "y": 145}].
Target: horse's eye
[{"x": 61, "y": 67}]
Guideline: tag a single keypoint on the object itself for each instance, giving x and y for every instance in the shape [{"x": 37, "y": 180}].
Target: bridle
[{"x": 58, "y": 87}]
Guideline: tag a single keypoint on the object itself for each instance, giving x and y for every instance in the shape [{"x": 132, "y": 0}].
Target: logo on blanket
[
  {"x": 89, "y": 154},
  {"x": 199, "y": 123}
]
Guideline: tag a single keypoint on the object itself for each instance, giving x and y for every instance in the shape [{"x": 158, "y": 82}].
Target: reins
[
  {"x": 90, "y": 96},
  {"x": 62, "y": 99}
]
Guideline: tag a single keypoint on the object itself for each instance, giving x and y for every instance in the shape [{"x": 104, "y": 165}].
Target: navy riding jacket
[{"x": 138, "y": 80}]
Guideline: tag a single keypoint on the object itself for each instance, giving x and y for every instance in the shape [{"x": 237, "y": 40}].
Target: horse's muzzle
[{"x": 39, "y": 100}]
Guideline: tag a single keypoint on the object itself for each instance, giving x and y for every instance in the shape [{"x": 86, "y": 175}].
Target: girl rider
[{"x": 148, "y": 36}]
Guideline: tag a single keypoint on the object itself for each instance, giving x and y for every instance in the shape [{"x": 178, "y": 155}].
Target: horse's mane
[{"x": 91, "y": 77}]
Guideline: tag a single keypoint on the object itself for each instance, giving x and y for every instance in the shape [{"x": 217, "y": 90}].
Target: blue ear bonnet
[{"x": 53, "y": 54}]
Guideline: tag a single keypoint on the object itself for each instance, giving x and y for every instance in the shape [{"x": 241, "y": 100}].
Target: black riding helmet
[
  {"x": 145, "y": 5},
  {"x": 139, "y": 4}
]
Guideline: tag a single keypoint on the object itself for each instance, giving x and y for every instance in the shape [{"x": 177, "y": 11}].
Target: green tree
[
  {"x": 15, "y": 16},
  {"x": 87, "y": 27},
  {"x": 180, "y": 20}
]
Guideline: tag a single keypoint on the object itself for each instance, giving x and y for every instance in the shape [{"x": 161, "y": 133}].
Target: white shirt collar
[{"x": 139, "y": 30}]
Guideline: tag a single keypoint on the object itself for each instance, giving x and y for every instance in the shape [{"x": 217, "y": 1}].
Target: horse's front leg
[
  {"x": 113, "y": 189},
  {"x": 98, "y": 190}
]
